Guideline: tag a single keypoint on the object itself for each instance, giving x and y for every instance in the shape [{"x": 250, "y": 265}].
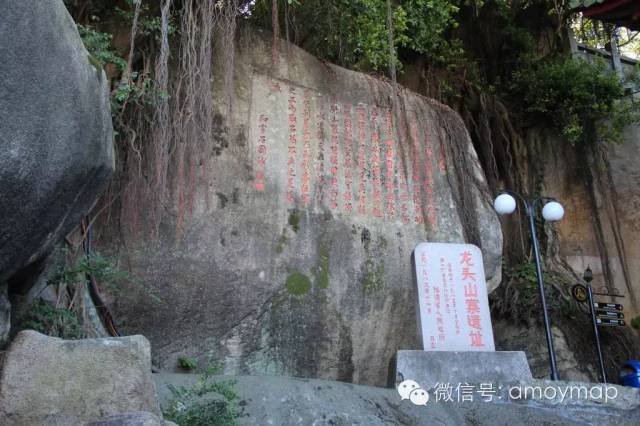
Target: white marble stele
[{"x": 454, "y": 324}]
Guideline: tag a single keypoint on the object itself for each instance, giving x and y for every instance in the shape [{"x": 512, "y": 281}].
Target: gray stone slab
[
  {"x": 272, "y": 400},
  {"x": 431, "y": 367},
  {"x": 86, "y": 379}
]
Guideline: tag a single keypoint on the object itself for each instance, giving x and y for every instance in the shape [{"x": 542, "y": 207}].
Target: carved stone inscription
[{"x": 317, "y": 152}]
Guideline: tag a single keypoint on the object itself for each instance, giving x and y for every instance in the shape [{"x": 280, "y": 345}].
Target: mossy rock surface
[
  {"x": 373, "y": 279},
  {"x": 294, "y": 220},
  {"x": 298, "y": 284}
]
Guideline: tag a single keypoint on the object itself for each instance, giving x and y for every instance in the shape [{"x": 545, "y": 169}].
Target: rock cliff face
[
  {"x": 55, "y": 136},
  {"x": 297, "y": 256},
  {"x": 532, "y": 341},
  {"x": 600, "y": 190},
  {"x": 598, "y": 186}
]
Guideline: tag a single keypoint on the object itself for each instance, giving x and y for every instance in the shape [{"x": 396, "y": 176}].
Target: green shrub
[
  {"x": 45, "y": 318},
  {"x": 96, "y": 265},
  {"x": 98, "y": 45},
  {"x": 148, "y": 23},
  {"x": 576, "y": 96},
  {"x": 208, "y": 402},
  {"x": 139, "y": 89},
  {"x": 518, "y": 296},
  {"x": 187, "y": 363},
  {"x": 354, "y": 33}
]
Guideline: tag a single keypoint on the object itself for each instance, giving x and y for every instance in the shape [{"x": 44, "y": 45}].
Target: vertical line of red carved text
[
  {"x": 415, "y": 176},
  {"x": 292, "y": 147},
  {"x": 333, "y": 159},
  {"x": 306, "y": 152},
  {"x": 348, "y": 160},
  {"x": 402, "y": 179},
  {"x": 375, "y": 164},
  {"x": 261, "y": 158},
  {"x": 320, "y": 136},
  {"x": 362, "y": 160},
  {"x": 428, "y": 181},
  {"x": 390, "y": 181}
]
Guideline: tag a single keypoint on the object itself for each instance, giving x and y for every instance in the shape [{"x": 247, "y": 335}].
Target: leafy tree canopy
[{"x": 354, "y": 33}]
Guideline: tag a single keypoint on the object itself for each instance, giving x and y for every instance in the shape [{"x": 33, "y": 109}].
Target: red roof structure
[{"x": 624, "y": 13}]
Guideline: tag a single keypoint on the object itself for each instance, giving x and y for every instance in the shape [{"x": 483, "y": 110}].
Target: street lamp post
[{"x": 552, "y": 211}]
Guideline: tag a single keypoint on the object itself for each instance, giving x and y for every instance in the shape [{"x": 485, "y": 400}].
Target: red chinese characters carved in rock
[
  {"x": 390, "y": 181},
  {"x": 261, "y": 157},
  {"x": 428, "y": 181},
  {"x": 405, "y": 216},
  {"x": 333, "y": 158},
  {"x": 415, "y": 169},
  {"x": 292, "y": 147},
  {"x": 348, "y": 160},
  {"x": 375, "y": 165},
  {"x": 362, "y": 160},
  {"x": 320, "y": 136},
  {"x": 306, "y": 150}
]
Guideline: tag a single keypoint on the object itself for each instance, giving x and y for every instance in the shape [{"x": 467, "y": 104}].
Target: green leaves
[
  {"x": 187, "y": 363},
  {"x": 98, "y": 45},
  {"x": 573, "y": 94},
  {"x": 354, "y": 33},
  {"x": 139, "y": 89},
  {"x": 426, "y": 21},
  {"x": 52, "y": 321},
  {"x": 99, "y": 267},
  {"x": 149, "y": 25},
  {"x": 208, "y": 402}
]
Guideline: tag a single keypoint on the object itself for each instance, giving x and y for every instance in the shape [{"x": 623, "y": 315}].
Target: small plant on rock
[
  {"x": 208, "y": 402},
  {"x": 187, "y": 363},
  {"x": 101, "y": 268},
  {"x": 45, "y": 318}
]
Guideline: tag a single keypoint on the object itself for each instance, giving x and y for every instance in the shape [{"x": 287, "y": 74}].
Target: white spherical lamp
[
  {"x": 504, "y": 204},
  {"x": 552, "y": 211}
]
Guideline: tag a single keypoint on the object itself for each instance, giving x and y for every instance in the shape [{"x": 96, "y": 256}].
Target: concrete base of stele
[{"x": 429, "y": 368}]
